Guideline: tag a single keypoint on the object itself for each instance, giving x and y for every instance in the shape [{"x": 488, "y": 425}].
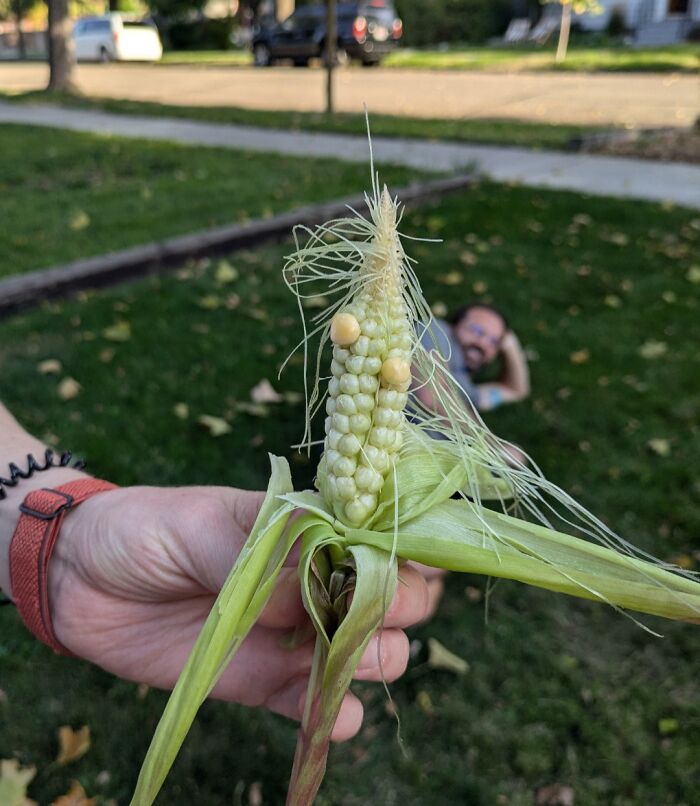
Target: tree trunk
[
  {"x": 61, "y": 50},
  {"x": 21, "y": 45},
  {"x": 114, "y": 5},
  {"x": 331, "y": 39},
  {"x": 564, "y": 30}
]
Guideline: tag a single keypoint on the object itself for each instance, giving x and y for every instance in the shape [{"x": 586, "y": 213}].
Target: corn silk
[{"x": 396, "y": 482}]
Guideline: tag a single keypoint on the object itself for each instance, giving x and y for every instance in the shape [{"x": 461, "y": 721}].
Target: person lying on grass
[{"x": 135, "y": 572}]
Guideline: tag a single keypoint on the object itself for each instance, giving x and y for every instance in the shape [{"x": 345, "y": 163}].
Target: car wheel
[
  {"x": 372, "y": 63},
  {"x": 341, "y": 57},
  {"x": 105, "y": 56},
  {"x": 262, "y": 56},
  {"x": 301, "y": 62}
]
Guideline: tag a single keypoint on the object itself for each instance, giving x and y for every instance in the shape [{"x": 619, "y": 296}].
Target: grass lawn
[
  {"x": 561, "y": 693},
  {"x": 496, "y": 132},
  {"x": 580, "y": 58},
  {"x": 67, "y": 195}
]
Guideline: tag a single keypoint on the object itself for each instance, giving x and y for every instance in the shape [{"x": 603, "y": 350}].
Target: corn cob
[{"x": 371, "y": 374}]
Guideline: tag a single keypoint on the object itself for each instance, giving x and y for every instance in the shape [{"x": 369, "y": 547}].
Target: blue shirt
[{"x": 440, "y": 338}]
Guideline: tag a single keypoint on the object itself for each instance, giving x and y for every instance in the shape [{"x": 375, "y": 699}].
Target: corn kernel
[{"x": 345, "y": 329}]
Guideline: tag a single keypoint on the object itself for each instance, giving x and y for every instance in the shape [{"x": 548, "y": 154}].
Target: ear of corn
[{"x": 386, "y": 481}]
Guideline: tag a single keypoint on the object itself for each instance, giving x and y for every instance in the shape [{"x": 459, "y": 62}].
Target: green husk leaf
[
  {"x": 335, "y": 664},
  {"x": 240, "y": 602},
  {"x": 427, "y": 474},
  {"x": 461, "y": 537}
]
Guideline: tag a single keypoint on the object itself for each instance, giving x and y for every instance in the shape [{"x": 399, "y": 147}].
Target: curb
[{"x": 115, "y": 267}]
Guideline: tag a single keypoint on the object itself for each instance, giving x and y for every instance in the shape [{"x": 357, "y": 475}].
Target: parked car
[
  {"x": 367, "y": 31},
  {"x": 116, "y": 38}
]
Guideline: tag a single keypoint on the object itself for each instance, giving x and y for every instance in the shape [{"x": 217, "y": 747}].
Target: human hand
[{"x": 136, "y": 571}]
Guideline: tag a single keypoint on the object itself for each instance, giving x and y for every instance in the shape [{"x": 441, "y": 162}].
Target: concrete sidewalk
[{"x": 602, "y": 176}]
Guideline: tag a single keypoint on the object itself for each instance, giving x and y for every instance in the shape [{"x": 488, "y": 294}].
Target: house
[{"x": 652, "y": 22}]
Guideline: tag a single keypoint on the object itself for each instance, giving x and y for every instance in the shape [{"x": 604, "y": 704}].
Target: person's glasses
[{"x": 479, "y": 331}]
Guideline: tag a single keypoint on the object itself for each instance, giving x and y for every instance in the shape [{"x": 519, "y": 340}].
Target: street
[{"x": 631, "y": 99}]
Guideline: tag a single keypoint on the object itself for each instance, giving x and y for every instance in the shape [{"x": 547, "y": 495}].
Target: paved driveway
[{"x": 631, "y": 99}]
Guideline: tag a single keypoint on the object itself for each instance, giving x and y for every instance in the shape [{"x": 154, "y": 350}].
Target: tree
[
  {"x": 567, "y": 6},
  {"x": 61, "y": 50},
  {"x": 331, "y": 48}
]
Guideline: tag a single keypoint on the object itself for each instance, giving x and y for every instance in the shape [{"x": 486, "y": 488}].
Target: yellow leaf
[
  {"x": 210, "y": 302},
  {"x": 120, "y": 331},
  {"x": 439, "y": 657},
  {"x": 225, "y": 273},
  {"x": 68, "y": 389},
  {"x": 653, "y": 349},
  {"x": 316, "y": 302},
  {"x": 480, "y": 287},
  {"x": 425, "y": 703},
  {"x": 14, "y": 781},
  {"x": 669, "y": 297},
  {"x": 74, "y": 797},
  {"x": 660, "y": 446},
  {"x": 72, "y": 744},
  {"x": 612, "y": 301},
  {"x": 451, "y": 278},
  {"x": 439, "y": 309},
  {"x": 217, "y": 426},
  {"x": 693, "y": 274},
  {"x": 468, "y": 257},
  {"x": 78, "y": 220},
  {"x": 580, "y": 356},
  {"x": 181, "y": 411},
  {"x": 52, "y": 366},
  {"x": 263, "y": 392}
]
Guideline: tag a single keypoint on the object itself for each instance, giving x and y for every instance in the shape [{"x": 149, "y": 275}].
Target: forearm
[
  {"x": 516, "y": 375},
  {"x": 15, "y": 445}
]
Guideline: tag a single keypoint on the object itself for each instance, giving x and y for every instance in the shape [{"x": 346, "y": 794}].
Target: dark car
[{"x": 367, "y": 31}]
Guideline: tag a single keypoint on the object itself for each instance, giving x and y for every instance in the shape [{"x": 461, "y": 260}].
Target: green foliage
[
  {"x": 201, "y": 34},
  {"x": 175, "y": 9},
  {"x": 472, "y": 21}
]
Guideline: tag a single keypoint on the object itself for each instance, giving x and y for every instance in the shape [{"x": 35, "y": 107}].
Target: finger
[
  {"x": 289, "y": 701},
  {"x": 385, "y": 657},
  {"x": 427, "y": 570},
  {"x": 436, "y": 588},
  {"x": 285, "y": 608},
  {"x": 411, "y": 601}
]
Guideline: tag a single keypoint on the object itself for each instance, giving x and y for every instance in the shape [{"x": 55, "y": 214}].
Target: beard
[{"x": 474, "y": 357}]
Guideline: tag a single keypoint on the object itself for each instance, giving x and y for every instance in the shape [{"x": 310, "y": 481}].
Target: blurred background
[{"x": 575, "y": 128}]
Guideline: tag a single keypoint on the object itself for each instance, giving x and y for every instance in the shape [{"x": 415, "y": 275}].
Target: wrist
[{"x": 9, "y": 506}]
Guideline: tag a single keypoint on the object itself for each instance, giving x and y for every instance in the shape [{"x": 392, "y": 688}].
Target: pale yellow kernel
[
  {"x": 337, "y": 368},
  {"x": 370, "y": 328},
  {"x": 345, "y": 329},
  {"x": 346, "y": 404},
  {"x": 364, "y": 402},
  {"x": 369, "y": 455},
  {"x": 356, "y": 511},
  {"x": 379, "y": 437},
  {"x": 333, "y": 387},
  {"x": 344, "y": 466},
  {"x": 383, "y": 417},
  {"x": 372, "y": 365},
  {"x": 333, "y": 440},
  {"x": 387, "y": 397},
  {"x": 340, "y": 354},
  {"x": 355, "y": 364},
  {"x": 368, "y": 384},
  {"x": 330, "y": 405},
  {"x": 349, "y": 384},
  {"x": 361, "y": 346},
  {"x": 346, "y": 488},
  {"x": 349, "y": 445},
  {"x": 360, "y": 423},
  {"x": 340, "y": 422},
  {"x": 368, "y": 479},
  {"x": 376, "y": 347},
  {"x": 396, "y": 371},
  {"x": 332, "y": 457}
]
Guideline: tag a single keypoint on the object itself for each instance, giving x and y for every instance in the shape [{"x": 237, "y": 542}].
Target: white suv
[{"x": 114, "y": 37}]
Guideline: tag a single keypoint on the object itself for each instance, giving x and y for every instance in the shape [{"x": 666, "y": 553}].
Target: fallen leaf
[
  {"x": 580, "y": 356},
  {"x": 612, "y": 301},
  {"x": 425, "y": 703},
  {"x": 582, "y": 219},
  {"x": 668, "y": 725},
  {"x": 14, "y": 781},
  {"x": 263, "y": 392},
  {"x": 473, "y": 594},
  {"x": 225, "y": 273},
  {"x": 232, "y": 301},
  {"x": 693, "y": 274},
  {"x": 661, "y": 447},
  {"x": 72, "y": 744},
  {"x": 480, "y": 287},
  {"x": 78, "y": 220},
  {"x": 653, "y": 349},
  {"x": 618, "y": 238},
  {"x": 439, "y": 657},
  {"x": 106, "y": 355},
  {"x": 315, "y": 302},
  {"x": 254, "y": 409},
  {"x": 293, "y": 398},
  {"x": 451, "y": 278},
  {"x": 120, "y": 331},
  {"x": 210, "y": 302},
  {"x": 439, "y": 309},
  {"x": 181, "y": 411},
  {"x": 51, "y": 366},
  {"x": 669, "y": 297},
  {"x": 468, "y": 258},
  {"x": 216, "y": 426},
  {"x": 74, "y": 797},
  {"x": 555, "y": 795},
  {"x": 68, "y": 389}
]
